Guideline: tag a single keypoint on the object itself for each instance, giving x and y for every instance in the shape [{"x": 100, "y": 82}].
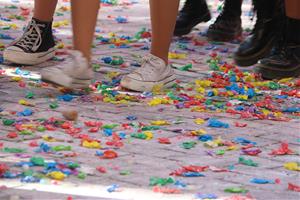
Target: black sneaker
[
  {"x": 35, "y": 46},
  {"x": 269, "y": 24},
  {"x": 192, "y": 13},
  {"x": 228, "y": 25}
]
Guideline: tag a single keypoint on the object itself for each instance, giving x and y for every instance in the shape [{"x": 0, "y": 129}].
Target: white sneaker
[
  {"x": 153, "y": 72},
  {"x": 74, "y": 73}
]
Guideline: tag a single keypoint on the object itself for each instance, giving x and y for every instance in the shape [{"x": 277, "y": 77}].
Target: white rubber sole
[
  {"x": 20, "y": 57},
  {"x": 58, "y": 77},
  {"x": 142, "y": 86},
  {"x": 66, "y": 81}
]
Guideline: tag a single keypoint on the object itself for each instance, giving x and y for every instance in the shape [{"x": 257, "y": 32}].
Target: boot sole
[
  {"x": 269, "y": 73},
  {"x": 188, "y": 29},
  {"x": 222, "y": 36},
  {"x": 19, "y": 57},
  {"x": 253, "y": 59},
  {"x": 139, "y": 86}
]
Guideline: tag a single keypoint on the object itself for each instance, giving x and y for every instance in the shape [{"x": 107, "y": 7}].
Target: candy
[
  {"x": 292, "y": 166},
  {"x": 283, "y": 150},
  {"x": 235, "y": 190},
  {"x": 71, "y": 115},
  {"x": 56, "y": 175},
  {"x": 261, "y": 181},
  {"x": 160, "y": 181},
  {"x": 217, "y": 124},
  {"x": 109, "y": 154},
  {"x": 37, "y": 161},
  {"x": 249, "y": 162},
  {"x": 91, "y": 144}
]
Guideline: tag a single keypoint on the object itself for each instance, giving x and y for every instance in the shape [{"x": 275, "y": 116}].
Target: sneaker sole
[
  {"x": 73, "y": 85},
  {"x": 269, "y": 73},
  {"x": 141, "y": 86},
  {"x": 19, "y": 57},
  {"x": 253, "y": 59},
  {"x": 188, "y": 29},
  {"x": 66, "y": 81}
]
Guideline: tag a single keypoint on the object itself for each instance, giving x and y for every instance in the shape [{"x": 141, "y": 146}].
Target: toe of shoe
[
  {"x": 125, "y": 81},
  {"x": 13, "y": 49}
]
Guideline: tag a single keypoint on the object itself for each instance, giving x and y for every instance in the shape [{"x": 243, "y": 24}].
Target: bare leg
[
  {"x": 84, "y": 19},
  {"x": 292, "y": 8},
  {"x": 44, "y": 10},
  {"x": 163, "y": 19}
]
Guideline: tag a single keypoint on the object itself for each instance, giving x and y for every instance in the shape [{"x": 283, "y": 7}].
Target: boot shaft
[
  {"x": 194, "y": 7},
  {"x": 268, "y": 9}
]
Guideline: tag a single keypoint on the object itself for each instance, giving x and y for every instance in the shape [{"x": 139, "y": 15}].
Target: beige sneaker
[
  {"x": 74, "y": 73},
  {"x": 153, "y": 72}
]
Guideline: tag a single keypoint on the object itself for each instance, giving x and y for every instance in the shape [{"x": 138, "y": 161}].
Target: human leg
[
  {"x": 155, "y": 69},
  {"x": 76, "y": 72}
]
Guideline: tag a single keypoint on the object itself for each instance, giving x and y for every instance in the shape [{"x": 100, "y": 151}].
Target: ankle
[
  {"x": 42, "y": 20},
  {"x": 164, "y": 58}
]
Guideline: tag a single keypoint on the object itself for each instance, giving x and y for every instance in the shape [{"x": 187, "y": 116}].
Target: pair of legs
[
  {"x": 37, "y": 45},
  {"x": 274, "y": 42},
  {"x": 284, "y": 59},
  {"x": 84, "y": 18}
]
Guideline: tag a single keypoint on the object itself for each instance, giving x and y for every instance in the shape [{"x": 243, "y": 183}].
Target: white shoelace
[
  {"x": 146, "y": 69},
  {"x": 32, "y": 38}
]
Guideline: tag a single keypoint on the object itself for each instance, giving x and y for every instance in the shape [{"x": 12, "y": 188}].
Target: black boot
[
  {"x": 192, "y": 13},
  {"x": 270, "y": 20},
  {"x": 228, "y": 24},
  {"x": 284, "y": 60}
]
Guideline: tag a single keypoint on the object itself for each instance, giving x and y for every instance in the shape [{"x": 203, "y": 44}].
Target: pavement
[{"x": 153, "y": 134}]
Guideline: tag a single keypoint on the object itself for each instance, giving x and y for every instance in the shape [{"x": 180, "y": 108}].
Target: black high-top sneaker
[
  {"x": 35, "y": 46},
  {"x": 269, "y": 23},
  {"x": 192, "y": 13},
  {"x": 284, "y": 60},
  {"x": 228, "y": 25}
]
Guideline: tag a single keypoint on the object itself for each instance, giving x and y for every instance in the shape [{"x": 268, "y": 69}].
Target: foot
[
  {"x": 74, "y": 73},
  {"x": 283, "y": 62},
  {"x": 193, "y": 13},
  {"x": 267, "y": 29},
  {"x": 153, "y": 72},
  {"x": 228, "y": 25},
  {"x": 35, "y": 46}
]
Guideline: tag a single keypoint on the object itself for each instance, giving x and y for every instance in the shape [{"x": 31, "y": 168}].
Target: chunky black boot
[
  {"x": 269, "y": 23},
  {"x": 228, "y": 24},
  {"x": 192, "y": 13},
  {"x": 284, "y": 60}
]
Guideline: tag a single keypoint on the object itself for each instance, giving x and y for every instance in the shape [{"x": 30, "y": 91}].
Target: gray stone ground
[{"x": 143, "y": 158}]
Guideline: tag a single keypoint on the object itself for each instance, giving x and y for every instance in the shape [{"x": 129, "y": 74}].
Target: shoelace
[
  {"x": 146, "y": 70},
  {"x": 32, "y": 38}
]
